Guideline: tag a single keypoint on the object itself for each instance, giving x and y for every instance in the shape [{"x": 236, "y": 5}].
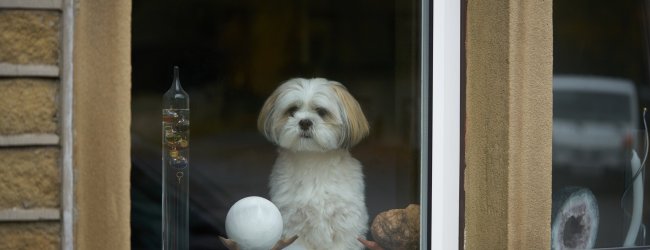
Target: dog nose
[{"x": 305, "y": 124}]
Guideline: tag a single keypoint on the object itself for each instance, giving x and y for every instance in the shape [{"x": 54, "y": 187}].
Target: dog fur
[{"x": 315, "y": 182}]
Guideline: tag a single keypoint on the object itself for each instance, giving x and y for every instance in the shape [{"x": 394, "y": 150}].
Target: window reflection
[
  {"x": 593, "y": 122},
  {"x": 600, "y": 87}
]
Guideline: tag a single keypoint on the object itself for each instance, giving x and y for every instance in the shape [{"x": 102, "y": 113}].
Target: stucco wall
[
  {"x": 28, "y": 105},
  {"x": 508, "y": 124},
  {"x": 32, "y": 98},
  {"x": 102, "y": 111},
  {"x": 34, "y": 235},
  {"x": 30, "y": 180},
  {"x": 29, "y": 36}
]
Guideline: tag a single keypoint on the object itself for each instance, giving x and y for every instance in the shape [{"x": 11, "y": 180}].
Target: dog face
[{"x": 312, "y": 115}]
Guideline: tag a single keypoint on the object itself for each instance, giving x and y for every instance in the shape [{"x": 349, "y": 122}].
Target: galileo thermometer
[{"x": 175, "y": 166}]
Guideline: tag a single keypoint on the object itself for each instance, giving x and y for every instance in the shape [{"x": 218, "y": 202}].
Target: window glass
[
  {"x": 232, "y": 55},
  {"x": 600, "y": 91}
]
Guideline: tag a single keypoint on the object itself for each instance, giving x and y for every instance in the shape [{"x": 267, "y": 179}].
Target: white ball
[{"x": 254, "y": 223}]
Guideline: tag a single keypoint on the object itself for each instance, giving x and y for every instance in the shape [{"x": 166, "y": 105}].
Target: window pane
[
  {"x": 600, "y": 88},
  {"x": 232, "y": 55}
]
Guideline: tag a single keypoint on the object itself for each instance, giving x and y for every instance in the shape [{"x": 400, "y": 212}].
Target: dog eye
[
  {"x": 321, "y": 112},
  {"x": 292, "y": 111}
]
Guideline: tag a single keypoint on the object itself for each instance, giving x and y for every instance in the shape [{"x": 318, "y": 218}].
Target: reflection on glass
[
  {"x": 601, "y": 88},
  {"x": 233, "y": 54},
  {"x": 635, "y": 184},
  {"x": 593, "y": 121}
]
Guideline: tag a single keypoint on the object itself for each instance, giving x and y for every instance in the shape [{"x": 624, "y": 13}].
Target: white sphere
[{"x": 254, "y": 223}]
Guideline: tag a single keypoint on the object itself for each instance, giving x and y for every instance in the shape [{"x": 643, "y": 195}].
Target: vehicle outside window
[
  {"x": 594, "y": 122},
  {"x": 601, "y": 89}
]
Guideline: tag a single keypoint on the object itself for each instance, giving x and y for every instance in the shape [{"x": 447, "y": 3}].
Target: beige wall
[
  {"x": 102, "y": 111},
  {"x": 508, "y": 124},
  {"x": 30, "y": 180},
  {"x": 30, "y": 36},
  {"x": 32, "y": 70},
  {"x": 31, "y": 127}
]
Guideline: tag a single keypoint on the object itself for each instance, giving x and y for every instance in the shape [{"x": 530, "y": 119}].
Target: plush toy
[{"x": 395, "y": 229}]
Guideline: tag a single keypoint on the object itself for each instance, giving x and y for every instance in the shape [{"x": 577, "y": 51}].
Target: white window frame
[{"x": 441, "y": 123}]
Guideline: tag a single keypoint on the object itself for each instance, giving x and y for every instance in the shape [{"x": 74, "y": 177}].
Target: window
[
  {"x": 600, "y": 92},
  {"x": 232, "y": 55}
]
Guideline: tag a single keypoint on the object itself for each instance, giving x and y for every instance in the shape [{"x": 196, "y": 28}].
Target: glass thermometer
[{"x": 175, "y": 166}]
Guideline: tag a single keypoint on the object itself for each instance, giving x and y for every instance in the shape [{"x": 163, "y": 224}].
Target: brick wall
[{"x": 30, "y": 152}]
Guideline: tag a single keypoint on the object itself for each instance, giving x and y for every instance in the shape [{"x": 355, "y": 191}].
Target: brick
[
  {"x": 29, "y": 36},
  {"x": 29, "y": 178},
  {"x": 33, "y": 235},
  {"x": 28, "y": 106}
]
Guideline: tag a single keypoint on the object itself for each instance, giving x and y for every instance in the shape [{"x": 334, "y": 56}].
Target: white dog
[{"x": 315, "y": 183}]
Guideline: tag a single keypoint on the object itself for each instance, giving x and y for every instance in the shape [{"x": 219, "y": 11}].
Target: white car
[{"x": 595, "y": 119}]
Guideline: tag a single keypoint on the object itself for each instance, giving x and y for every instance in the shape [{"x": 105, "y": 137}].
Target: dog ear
[
  {"x": 264, "y": 120},
  {"x": 355, "y": 121}
]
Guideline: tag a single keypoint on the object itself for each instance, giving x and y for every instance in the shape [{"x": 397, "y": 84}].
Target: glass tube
[{"x": 175, "y": 166}]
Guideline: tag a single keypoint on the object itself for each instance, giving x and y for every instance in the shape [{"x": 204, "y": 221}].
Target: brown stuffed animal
[{"x": 396, "y": 229}]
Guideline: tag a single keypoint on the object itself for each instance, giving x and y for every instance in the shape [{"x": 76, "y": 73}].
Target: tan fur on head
[
  {"x": 337, "y": 118},
  {"x": 267, "y": 110},
  {"x": 357, "y": 124}
]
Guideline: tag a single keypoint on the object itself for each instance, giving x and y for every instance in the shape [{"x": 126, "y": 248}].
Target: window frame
[{"x": 441, "y": 109}]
